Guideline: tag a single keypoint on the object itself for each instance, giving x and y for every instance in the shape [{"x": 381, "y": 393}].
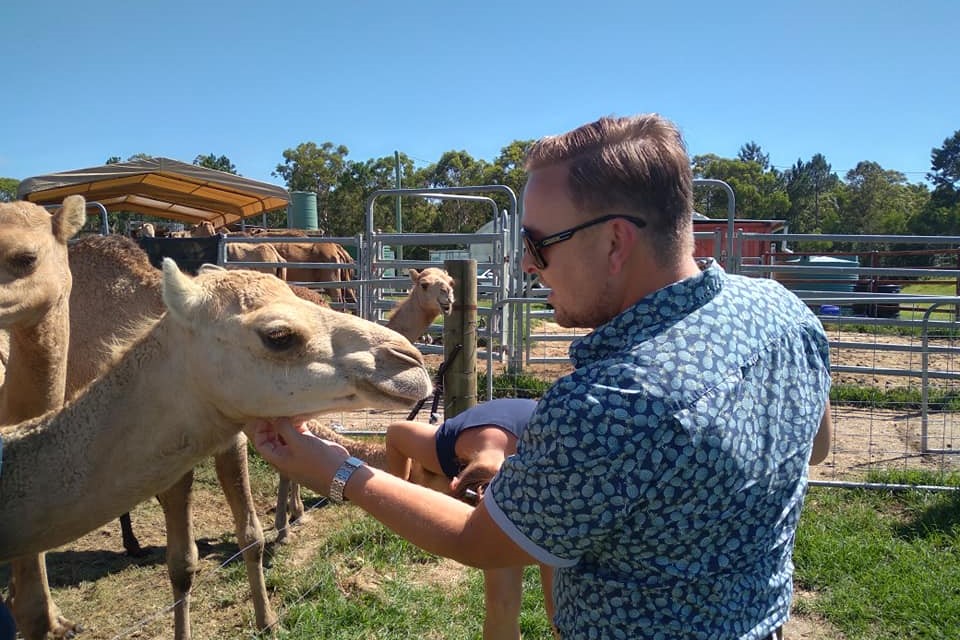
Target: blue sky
[{"x": 855, "y": 81}]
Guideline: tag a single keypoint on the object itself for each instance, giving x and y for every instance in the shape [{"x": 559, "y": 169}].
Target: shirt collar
[{"x": 650, "y": 315}]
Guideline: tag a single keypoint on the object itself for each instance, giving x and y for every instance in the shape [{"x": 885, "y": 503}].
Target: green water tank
[{"x": 302, "y": 212}]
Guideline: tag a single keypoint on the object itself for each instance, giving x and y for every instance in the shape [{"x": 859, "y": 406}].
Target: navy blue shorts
[{"x": 510, "y": 414}]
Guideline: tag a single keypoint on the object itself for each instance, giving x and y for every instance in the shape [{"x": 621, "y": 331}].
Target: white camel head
[
  {"x": 296, "y": 358},
  {"x": 432, "y": 289},
  {"x": 34, "y": 273}
]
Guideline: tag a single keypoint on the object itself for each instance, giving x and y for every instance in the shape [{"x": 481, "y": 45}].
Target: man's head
[{"x": 608, "y": 210}]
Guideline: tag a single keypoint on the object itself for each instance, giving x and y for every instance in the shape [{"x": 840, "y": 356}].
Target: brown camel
[
  {"x": 34, "y": 318},
  {"x": 285, "y": 356},
  {"x": 114, "y": 279},
  {"x": 293, "y": 252},
  {"x": 259, "y": 252},
  {"x": 319, "y": 252},
  {"x": 430, "y": 295}
]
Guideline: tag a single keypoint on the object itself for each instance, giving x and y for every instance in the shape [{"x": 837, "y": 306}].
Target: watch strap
[{"x": 341, "y": 477}]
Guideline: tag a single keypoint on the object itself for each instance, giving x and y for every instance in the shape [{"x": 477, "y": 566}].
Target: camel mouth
[
  {"x": 389, "y": 396},
  {"x": 446, "y": 308}
]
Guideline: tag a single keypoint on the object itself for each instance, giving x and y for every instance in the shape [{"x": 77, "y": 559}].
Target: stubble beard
[{"x": 592, "y": 309}]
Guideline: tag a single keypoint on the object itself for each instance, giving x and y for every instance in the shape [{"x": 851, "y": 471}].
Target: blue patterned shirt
[{"x": 664, "y": 477}]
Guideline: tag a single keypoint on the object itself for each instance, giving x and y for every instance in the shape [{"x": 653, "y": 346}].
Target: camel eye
[
  {"x": 23, "y": 263},
  {"x": 424, "y": 286},
  {"x": 280, "y": 339}
]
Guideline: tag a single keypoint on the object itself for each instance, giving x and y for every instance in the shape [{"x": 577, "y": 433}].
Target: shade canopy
[{"x": 160, "y": 187}]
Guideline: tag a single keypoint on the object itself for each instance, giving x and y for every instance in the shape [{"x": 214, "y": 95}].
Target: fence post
[{"x": 460, "y": 327}]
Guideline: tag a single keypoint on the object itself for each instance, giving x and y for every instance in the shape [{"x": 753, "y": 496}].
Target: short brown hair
[{"x": 635, "y": 164}]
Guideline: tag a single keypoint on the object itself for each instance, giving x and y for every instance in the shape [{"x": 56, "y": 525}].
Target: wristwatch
[{"x": 340, "y": 478}]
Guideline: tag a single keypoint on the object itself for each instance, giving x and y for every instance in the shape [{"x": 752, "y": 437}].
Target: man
[{"x": 663, "y": 478}]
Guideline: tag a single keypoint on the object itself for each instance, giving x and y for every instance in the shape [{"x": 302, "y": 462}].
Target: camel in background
[
  {"x": 134, "y": 431},
  {"x": 35, "y": 287},
  {"x": 430, "y": 296}
]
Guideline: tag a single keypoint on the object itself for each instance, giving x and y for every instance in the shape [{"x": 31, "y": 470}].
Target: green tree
[
  {"x": 309, "y": 167},
  {"x": 219, "y": 163},
  {"x": 359, "y": 181},
  {"x": 811, "y": 188},
  {"x": 945, "y": 172},
  {"x": 760, "y": 194},
  {"x": 8, "y": 189},
  {"x": 751, "y": 152},
  {"x": 875, "y": 200},
  {"x": 508, "y": 169},
  {"x": 458, "y": 169}
]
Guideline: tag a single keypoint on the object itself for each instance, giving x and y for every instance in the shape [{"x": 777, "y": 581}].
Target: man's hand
[{"x": 296, "y": 452}]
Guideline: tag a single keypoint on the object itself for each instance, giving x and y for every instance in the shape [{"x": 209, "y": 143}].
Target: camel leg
[
  {"x": 280, "y": 514},
  {"x": 295, "y": 505},
  {"x": 289, "y": 508},
  {"x": 130, "y": 542},
  {"x": 33, "y": 607},
  {"x": 231, "y": 466},
  {"x": 182, "y": 556}
]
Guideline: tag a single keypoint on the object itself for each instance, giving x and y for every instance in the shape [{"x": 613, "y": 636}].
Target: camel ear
[
  {"x": 414, "y": 275},
  {"x": 181, "y": 294},
  {"x": 70, "y": 218},
  {"x": 206, "y": 267}
]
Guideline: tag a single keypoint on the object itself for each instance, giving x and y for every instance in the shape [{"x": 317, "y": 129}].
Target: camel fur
[
  {"x": 114, "y": 279},
  {"x": 34, "y": 322},
  {"x": 256, "y": 252},
  {"x": 162, "y": 406}
]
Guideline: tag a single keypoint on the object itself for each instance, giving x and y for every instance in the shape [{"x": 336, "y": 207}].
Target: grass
[
  {"x": 366, "y": 583},
  {"x": 870, "y": 565},
  {"x": 900, "y": 397},
  {"x": 882, "y": 565}
]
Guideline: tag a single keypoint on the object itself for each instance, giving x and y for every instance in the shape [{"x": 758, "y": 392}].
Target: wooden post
[{"x": 460, "y": 327}]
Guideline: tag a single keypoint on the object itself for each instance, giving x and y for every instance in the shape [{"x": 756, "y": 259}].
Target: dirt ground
[{"x": 117, "y": 597}]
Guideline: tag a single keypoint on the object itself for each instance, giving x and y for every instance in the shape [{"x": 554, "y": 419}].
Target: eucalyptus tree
[
  {"x": 310, "y": 167},
  {"x": 218, "y": 163},
  {"x": 875, "y": 200},
  {"x": 8, "y": 189},
  {"x": 458, "y": 169},
  {"x": 359, "y": 180},
  {"x": 759, "y": 193}
]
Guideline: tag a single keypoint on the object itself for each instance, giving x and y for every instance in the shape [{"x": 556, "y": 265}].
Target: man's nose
[{"x": 526, "y": 264}]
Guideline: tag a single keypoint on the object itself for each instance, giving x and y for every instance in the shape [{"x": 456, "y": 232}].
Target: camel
[
  {"x": 162, "y": 406},
  {"x": 322, "y": 252},
  {"x": 256, "y": 252},
  {"x": 114, "y": 279},
  {"x": 430, "y": 296},
  {"x": 35, "y": 287}
]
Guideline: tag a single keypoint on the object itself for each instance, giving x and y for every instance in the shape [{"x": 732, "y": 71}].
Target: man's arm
[
  {"x": 434, "y": 521},
  {"x": 821, "y": 441},
  {"x": 431, "y": 520}
]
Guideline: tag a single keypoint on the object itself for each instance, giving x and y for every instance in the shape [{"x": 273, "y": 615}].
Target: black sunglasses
[{"x": 535, "y": 247}]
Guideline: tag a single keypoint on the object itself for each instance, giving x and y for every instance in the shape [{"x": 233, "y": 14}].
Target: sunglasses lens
[{"x": 533, "y": 251}]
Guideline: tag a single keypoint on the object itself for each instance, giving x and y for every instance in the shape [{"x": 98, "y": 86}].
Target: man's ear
[{"x": 624, "y": 240}]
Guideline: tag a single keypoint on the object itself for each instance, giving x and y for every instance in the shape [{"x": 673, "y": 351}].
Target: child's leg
[
  {"x": 546, "y": 581},
  {"x": 408, "y": 440},
  {"x": 502, "y": 593}
]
